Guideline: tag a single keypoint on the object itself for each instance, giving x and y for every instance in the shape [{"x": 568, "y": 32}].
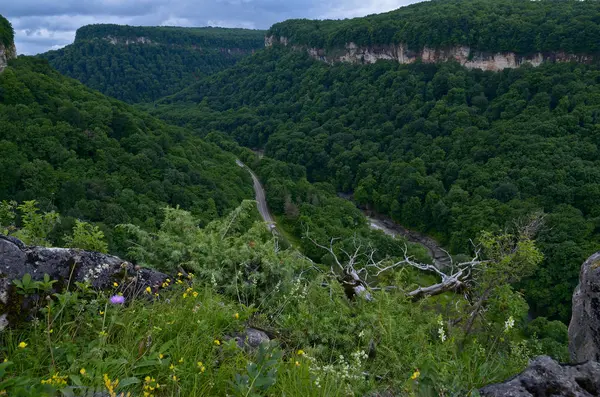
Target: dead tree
[{"x": 355, "y": 269}]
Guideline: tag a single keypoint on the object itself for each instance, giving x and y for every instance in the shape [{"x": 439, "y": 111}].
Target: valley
[{"x": 405, "y": 203}]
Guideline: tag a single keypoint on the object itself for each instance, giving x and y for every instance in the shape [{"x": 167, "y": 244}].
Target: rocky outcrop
[
  {"x": 126, "y": 41},
  {"x": 402, "y": 54},
  {"x": 66, "y": 266},
  {"x": 6, "y": 54},
  {"x": 584, "y": 329},
  {"x": 546, "y": 377}
]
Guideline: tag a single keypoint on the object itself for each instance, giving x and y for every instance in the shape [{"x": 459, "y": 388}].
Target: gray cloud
[{"x": 41, "y": 25}]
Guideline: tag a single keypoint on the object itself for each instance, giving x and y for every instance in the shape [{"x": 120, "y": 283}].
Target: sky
[{"x": 42, "y": 25}]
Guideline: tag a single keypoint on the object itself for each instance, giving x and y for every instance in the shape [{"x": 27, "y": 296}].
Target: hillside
[
  {"x": 97, "y": 159},
  {"x": 437, "y": 148},
  {"x": 7, "y": 46},
  {"x": 477, "y": 33},
  {"x": 141, "y": 64}
]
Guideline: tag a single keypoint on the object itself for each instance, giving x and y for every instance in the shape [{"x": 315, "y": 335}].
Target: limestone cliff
[
  {"x": 467, "y": 57},
  {"x": 6, "y": 54}
]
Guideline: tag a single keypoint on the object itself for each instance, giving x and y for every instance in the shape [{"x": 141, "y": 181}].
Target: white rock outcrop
[
  {"x": 6, "y": 54},
  {"x": 352, "y": 53}
]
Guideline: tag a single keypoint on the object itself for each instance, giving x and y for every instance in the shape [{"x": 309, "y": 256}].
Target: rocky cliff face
[
  {"x": 6, "y": 54},
  {"x": 584, "y": 329},
  {"x": 546, "y": 377},
  {"x": 400, "y": 53}
]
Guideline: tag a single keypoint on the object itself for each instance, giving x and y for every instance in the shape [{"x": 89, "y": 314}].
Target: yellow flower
[
  {"x": 179, "y": 274},
  {"x": 22, "y": 345},
  {"x": 101, "y": 313},
  {"x": 172, "y": 367},
  {"x": 160, "y": 356},
  {"x": 148, "y": 290},
  {"x": 297, "y": 364},
  {"x": 181, "y": 360},
  {"x": 201, "y": 366},
  {"x": 415, "y": 375},
  {"x": 115, "y": 284},
  {"x": 184, "y": 295},
  {"x": 102, "y": 333},
  {"x": 217, "y": 342},
  {"x": 147, "y": 379},
  {"x": 191, "y": 276},
  {"x": 82, "y": 371},
  {"x": 237, "y": 315},
  {"x": 300, "y": 352},
  {"x": 195, "y": 294},
  {"x": 174, "y": 377},
  {"x": 179, "y": 282}
]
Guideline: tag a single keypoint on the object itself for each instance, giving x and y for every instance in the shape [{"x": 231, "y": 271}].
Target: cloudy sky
[{"x": 41, "y": 25}]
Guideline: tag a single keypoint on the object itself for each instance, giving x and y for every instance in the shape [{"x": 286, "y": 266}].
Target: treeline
[
  {"x": 144, "y": 72},
  {"x": 93, "y": 158},
  {"x": 517, "y": 26},
  {"x": 438, "y": 148},
  {"x": 7, "y": 34},
  {"x": 247, "y": 39}
]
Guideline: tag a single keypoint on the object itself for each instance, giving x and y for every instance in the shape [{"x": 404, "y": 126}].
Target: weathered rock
[
  {"x": 66, "y": 266},
  {"x": 251, "y": 338},
  {"x": 6, "y": 54},
  {"x": 584, "y": 329},
  {"x": 546, "y": 377}
]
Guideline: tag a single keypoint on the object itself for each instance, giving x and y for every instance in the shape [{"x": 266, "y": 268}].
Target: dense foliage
[
  {"x": 436, "y": 147},
  {"x": 485, "y": 25},
  {"x": 97, "y": 159},
  {"x": 179, "y": 339},
  {"x": 7, "y": 33},
  {"x": 142, "y": 64}
]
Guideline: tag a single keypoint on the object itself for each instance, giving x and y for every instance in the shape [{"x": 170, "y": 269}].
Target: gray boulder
[
  {"x": 545, "y": 377},
  {"x": 250, "y": 339},
  {"x": 584, "y": 329},
  {"x": 66, "y": 266}
]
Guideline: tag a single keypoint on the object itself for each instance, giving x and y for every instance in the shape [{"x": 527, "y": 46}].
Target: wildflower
[
  {"x": 201, "y": 366},
  {"x": 102, "y": 333},
  {"x": 115, "y": 284},
  {"x": 148, "y": 290},
  {"x": 217, "y": 342},
  {"x": 191, "y": 276},
  {"x": 22, "y": 345},
  {"x": 110, "y": 385},
  {"x": 101, "y": 313},
  {"x": 509, "y": 324},
  {"x": 56, "y": 380},
  {"x": 179, "y": 282},
  {"x": 184, "y": 295},
  {"x": 172, "y": 367},
  {"x": 195, "y": 294},
  {"x": 117, "y": 299},
  {"x": 174, "y": 377},
  {"x": 297, "y": 364},
  {"x": 181, "y": 360},
  {"x": 236, "y": 315},
  {"x": 179, "y": 274},
  {"x": 415, "y": 375},
  {"x": 441, "y": 331},
  {"x": 82, "y": 371},
  {"x": 160, "y": 356},
  {"x": 300, "y": 352}
]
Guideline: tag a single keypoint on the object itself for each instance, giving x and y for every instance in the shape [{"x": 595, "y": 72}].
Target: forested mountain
[
  {"x": 7, "y": 34},
  {"x": 97, "y": 159},
  {"x": 517, "y": 26},
  {"x": 141, "y": 64},
  {"x": 437, "y": 147}
]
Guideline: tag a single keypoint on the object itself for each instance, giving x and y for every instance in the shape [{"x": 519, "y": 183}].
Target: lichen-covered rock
[
  {"x": 66, "y": 266},
  {"x": 250, "y": 339},
  {"x": 584, "y": 329},
  {"x": 546, "y": 377}
]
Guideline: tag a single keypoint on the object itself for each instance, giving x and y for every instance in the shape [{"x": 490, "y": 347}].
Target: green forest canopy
[
  {"x": 97, "y": 159},
  {"x": 144, "y": 72},
  {"x": 7, "y": 35},
  {"x": 519, "y": 26},
  {"x": 438, "y": 148}
]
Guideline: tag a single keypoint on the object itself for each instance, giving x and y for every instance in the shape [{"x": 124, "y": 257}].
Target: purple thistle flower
[{"x": 117, "y": 299}]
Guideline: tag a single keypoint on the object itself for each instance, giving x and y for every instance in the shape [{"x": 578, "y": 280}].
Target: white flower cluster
[
  {"x": 342, "y": 369},
  {"x": 509, "y": 324},
  {"x": 441, "y": 331}
]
